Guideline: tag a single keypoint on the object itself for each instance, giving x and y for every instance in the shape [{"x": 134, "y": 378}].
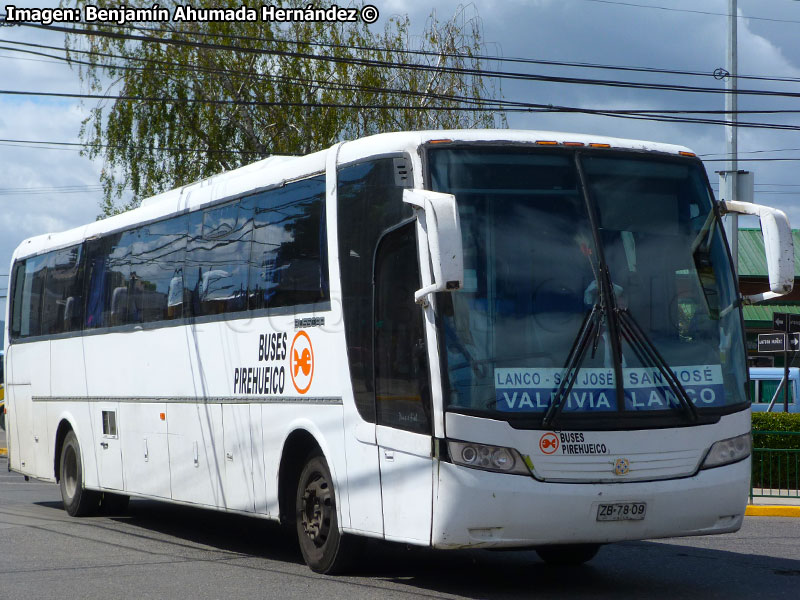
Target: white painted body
[{"x": 187, "y": 436}]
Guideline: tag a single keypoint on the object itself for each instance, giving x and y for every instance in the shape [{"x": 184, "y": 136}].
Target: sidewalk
[{"x": 783, "y": 506}]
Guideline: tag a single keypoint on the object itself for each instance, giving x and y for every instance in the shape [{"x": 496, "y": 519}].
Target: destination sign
[{"x": 533, "y": 389}]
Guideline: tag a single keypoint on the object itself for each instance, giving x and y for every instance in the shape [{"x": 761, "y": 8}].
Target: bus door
[{"x": 402, "y": 390}]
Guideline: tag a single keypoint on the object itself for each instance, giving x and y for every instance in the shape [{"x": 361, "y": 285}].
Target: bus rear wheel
[
  {"x": 78, "y": 501},
  {"x": 325, "y": 549},
  {"x": 567, "y": 554}
]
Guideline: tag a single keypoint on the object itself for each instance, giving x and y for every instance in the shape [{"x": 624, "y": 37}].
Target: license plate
[{"x": 621, "y": 511}]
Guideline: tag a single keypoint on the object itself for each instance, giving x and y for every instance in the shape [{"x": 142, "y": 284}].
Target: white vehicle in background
[
  {"x": 2, "y": 394},
  {"x": 767, "y": 389},
  {"x": 488, "y": 339}
]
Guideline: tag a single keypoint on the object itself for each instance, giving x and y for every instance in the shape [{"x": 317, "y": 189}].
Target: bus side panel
[
  {"x": 141, "y": 370},
  {"x": 214, "y": 353},
  {"x": 31, "y": 373},
  {"x": 258, "y": 454},
  {"x": 363, "y": 476},
  {"x": 67, "y": 384},
  {"x": 195, "y": 438}
]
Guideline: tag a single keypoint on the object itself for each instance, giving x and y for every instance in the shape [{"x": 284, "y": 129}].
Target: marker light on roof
[
  {"x": 596, "y": 145},
  {"x": 574, "y": 144},
  {"x": 442, "y": 141},
  {"x": 692, "y": 154},
  {"x": 547, "y": 143}
]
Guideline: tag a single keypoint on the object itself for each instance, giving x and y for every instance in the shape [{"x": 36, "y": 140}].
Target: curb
[{"x": 772, "y": 511}]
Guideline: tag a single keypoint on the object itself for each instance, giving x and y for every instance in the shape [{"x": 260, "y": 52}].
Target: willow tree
[{"x": 187, "y": 100}]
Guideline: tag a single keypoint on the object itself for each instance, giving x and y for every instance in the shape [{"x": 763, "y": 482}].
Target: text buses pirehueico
[{"x": 454, "y": 339}]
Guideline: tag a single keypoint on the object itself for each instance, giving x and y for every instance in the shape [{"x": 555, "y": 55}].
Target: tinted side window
[
  {"x": 29, "y": 283},
  {"x": 370, "y": 200},
  {"x": 17, "y": 302},
  {"x": 288, "y": 264},
  {"x": 156, "y": 287},
  {"x": 62, "y": 306},
  {"x": 108, "y": 301},
  {"x": 216, "y": 262}
]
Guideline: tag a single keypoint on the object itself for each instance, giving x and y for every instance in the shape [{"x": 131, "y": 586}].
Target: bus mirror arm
[
  {"x": 778, "y": 246},
  {"x": 442, "y": 225}
]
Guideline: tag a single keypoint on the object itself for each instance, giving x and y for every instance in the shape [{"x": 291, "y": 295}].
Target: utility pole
[{"x": 728, "y": 188}]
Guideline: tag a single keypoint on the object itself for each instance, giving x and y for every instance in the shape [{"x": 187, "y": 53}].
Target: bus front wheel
[
  {"x": 567, "y": 554},
  {"x": 325, "y": 549},
  {"x": 78, "y": 501}
]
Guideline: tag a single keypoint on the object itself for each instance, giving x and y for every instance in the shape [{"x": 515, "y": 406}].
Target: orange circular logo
[
  {"x": 301, "y": 362},
  {"x": 548, "y": 443}
]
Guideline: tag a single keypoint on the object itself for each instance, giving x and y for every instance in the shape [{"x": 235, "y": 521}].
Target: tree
[{"x": 191, "y": 99}]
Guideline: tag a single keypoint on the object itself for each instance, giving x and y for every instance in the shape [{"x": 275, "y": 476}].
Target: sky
[{"x": 43, "y": 189}]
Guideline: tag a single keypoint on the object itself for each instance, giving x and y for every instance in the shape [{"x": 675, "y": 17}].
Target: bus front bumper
[{"x": 474, "y": 508}]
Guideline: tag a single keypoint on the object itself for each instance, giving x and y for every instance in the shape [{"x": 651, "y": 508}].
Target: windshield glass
[{"x": 533, "y": 275}]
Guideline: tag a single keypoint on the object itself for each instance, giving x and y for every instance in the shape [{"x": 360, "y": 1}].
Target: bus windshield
[{"x": 548, "y": 235}]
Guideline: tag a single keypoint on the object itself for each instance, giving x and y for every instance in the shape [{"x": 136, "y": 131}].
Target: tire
[
  {"x": 568, "y": 554},
  {"x": 324, "y": 548},
  {"x": 78, "y": 501},
  {"x": 114, "y": 504}
]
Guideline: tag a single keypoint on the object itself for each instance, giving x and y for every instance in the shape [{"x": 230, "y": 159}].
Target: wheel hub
[{"x": 315, "y": 515}]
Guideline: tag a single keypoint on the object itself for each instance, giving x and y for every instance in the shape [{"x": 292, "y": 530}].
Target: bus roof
[{"x": 277, "y": 170}]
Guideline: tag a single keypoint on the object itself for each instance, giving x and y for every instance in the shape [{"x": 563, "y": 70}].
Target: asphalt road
[{"x": 163, "y": 551}]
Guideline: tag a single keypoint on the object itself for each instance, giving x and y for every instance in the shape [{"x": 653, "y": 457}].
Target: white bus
[{"x": 453, "y": 339}]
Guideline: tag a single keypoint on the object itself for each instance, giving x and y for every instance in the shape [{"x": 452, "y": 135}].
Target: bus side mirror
[
  {"x": 443, "y": 229},
  {"x": 778, "y": 246}
]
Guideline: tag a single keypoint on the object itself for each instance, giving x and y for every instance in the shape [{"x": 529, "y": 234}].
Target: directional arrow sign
[
  {"x": 776, "y": 342},
  {"x": 780, "y": 321}
]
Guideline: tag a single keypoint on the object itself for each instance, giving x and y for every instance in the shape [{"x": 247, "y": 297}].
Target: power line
[
  {"x": 151, "y": 148},
  {"x": 686, "y": 10},
  {"x": 751, "y": 152},
  {"x": 309, "y": 83},
  {"x": 375, "y": 89},
  {"x": 775, "y": 159},
  {"x": 59, "y": 190},
  {"x": 431, "y": 53},
  {"x": 513, "y": 75}
]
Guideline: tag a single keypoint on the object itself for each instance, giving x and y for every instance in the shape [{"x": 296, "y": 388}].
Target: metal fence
[{"x": 776, "y": 470}]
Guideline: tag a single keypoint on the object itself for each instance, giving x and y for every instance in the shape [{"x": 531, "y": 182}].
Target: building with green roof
[{"x": 753, "y": 280}]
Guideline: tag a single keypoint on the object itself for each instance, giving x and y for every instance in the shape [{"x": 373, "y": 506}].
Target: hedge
[{"x": 776, "y": 468}]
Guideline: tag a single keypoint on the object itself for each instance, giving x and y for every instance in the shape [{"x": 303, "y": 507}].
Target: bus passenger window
[
  {"x": 156, "y": 285},
  {"x": 28, "y": 293},
  {"x": 216, "y": 262},
  {"x": 288, "y": 264},
  {"x": 63, "y": 298}
]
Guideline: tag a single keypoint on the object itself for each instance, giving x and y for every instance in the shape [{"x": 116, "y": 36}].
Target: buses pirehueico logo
[
  {"x": 548, "y": 443},
  {"x": 301, "y": 362}
]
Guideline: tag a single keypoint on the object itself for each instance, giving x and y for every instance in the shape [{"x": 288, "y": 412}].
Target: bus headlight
[
  {"x": 725, "y": 452},
  {"x": 487, "y": 458}
]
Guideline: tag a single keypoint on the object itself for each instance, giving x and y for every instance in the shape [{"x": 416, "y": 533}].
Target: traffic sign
[
  {"x": 786, "y": 322},
  {"x": 776, "y": 342},
  {"x": 780, "y": 321}
]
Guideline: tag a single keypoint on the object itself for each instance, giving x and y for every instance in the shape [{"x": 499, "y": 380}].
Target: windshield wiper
[
  {"x": 589, "y": 331},
  {"x": 648, "y": 354}
]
